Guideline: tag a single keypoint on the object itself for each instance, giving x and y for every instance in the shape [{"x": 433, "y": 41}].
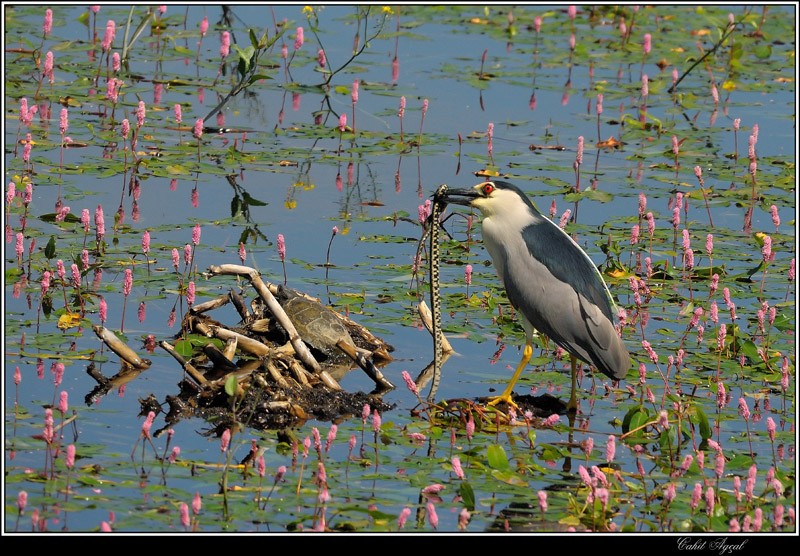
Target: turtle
[{"x": 317, "y": 325}]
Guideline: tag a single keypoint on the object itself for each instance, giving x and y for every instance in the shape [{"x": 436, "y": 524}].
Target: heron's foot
[{"x": 504, "y": 398}]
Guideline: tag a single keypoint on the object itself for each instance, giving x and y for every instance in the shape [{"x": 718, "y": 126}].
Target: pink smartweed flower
[
  {"x": 776, "y": 219},
  {"x": 697, "y": 493},
  {"x": 148, "y": 424},
  {"x": 203, "y": 27},
  {"x": 63, "y": 123},
  {"x": 22, "y": 501},
  {"x": 542, "y": 496},
  {"x": 647, "y": 44},
  {"x": 197, "y": 131},
  {"x": 376, "y": 421},
  {"x": 20, "y": 245},
  {"x": 771, "y": 428},
  {"x": 146, "y": 242},
  {"x": 468, "y": 274},
  {"x": 321, "y": 58},
  {"x": 410, "y": 384},
  {"x": 710, "y": 501},
  {"x": 69, "y": 460},
  {"x": 714, "y": 93},
  {"x": 550, "y": 421},
  {"x": 744, "y": 411},
  {"x": 127, "y": 282},
  {"x": 645, "y": 86},
  {"x": 579, "y": 155},
  {"x": 669, "y": 492},
  {"x": 766, "y": 249},
  {"x": 197, "y": 503},
  {"x": 572, "y": 10},
  {"x": 610, "y": 448},
  {"x": 196, "y": 234},
  {"x": 178, "y": 113},
  {"x": 48, "y": 425},
  {"x": 402, "y": 110},
  {"x": 126, "y": 128},
  {"x": 190, "y": 293},
  {"x": 225, "y": 44},
  {"x": 141, "y": 111},
  {"x": 116, "y": 62},
  {"x": 470, "y": 427},
  {"x": 572, "y": 41},
  {"x": 103, "y": 310},
  {"x": 456, "y": 461},
  {"x": 47, "y": 71},
  {"x": 63, "y": 402},
  {"x": 173, "y": 456},
  {"x": 537, "y": 23},
  {"x": 343, "y": 123},
  {"x": 45, "y": 281},
  {"x": 242, "y": 252},
  {"x": 634, "y": 234},
  {"x": 298, "y": 39},
  {"x": 281, "y": 247},
  {"x": 184, "y": 513},
  {"x": 433, "y": 519},
  {"x": 47, "y": 26},
  {"x": 108, "y": 38},
  {"x": 225, "y": 440},
  {"x": 354, "y": 92},
  {"x": 675, "y": 146},
  {"x": 564, "y": 218},
  {"x": 401, "y": 519}
]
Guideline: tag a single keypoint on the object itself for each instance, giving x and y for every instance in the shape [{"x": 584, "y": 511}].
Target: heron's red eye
[{"x": 488, "y": 187}]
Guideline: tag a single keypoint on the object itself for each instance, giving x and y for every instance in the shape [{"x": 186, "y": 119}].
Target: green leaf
[
  {"x": 50, "y": 248},
  {"x": 497, "y": 458},
  {"x": 699, "y": 418},
  {"x": 231, "y": 384},
  {"x": 467, "y": 495},
  {"x": 763, "y": 51}
]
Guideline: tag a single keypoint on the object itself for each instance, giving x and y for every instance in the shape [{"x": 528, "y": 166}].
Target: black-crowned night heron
[{"x": 549, "y": 279}]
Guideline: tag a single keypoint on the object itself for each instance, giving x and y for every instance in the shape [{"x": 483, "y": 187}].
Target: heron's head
[{"x": 492, "y": 198}]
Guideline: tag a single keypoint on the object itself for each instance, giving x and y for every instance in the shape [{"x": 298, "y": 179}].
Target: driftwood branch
[
  {"x": 121, "y": 348},
  {"x": 275, "y": 308}
]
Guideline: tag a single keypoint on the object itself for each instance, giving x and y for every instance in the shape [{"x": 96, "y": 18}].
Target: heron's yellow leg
[
  {"x": 506, "y": 395},
  {"x": 572, "y": 406}
]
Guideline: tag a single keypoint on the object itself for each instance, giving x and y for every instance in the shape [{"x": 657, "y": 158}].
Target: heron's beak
[{"x": 461, "y": 196}]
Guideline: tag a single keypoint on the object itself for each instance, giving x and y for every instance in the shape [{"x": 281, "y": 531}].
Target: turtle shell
[{"x": 316, "y": 324}]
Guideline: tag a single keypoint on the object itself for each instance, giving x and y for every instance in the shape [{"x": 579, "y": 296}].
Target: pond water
[{"x": 471, "y": 72}]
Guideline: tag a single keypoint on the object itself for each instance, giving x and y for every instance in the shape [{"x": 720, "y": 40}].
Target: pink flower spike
[
  {"x": 410, "y": 384},
  {"x": 204, "y": 27},
  {"x": 225, "y": 44},
  {"x": 190, "y": 294},
  {"x": 197, "y": 131},
  {"x": 401, "y": 519},
  {"x": 47, "y": 26},
  {"x": 281, "y": 247},
  {"x": 225, "y": 440},
  {"x": 299, "y": 39}
]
